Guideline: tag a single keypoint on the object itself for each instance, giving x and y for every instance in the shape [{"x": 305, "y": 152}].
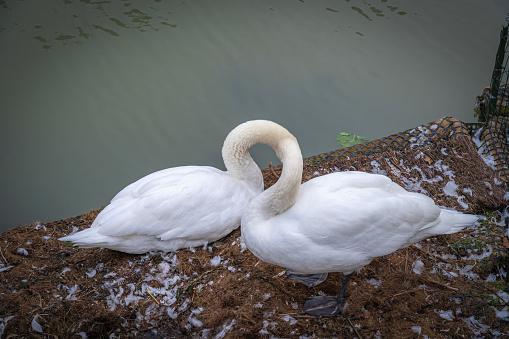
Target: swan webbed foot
[
  {"x": 326, "y": 306},
  {"x": 310, "y": 280},
  {"x": 323, "y": 306}
]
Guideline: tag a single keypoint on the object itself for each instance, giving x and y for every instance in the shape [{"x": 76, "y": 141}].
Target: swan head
[
  {"x": 283, "y": 194},
  {"x": 254, "y": 132},
  {"x": 235, "y": 152}
]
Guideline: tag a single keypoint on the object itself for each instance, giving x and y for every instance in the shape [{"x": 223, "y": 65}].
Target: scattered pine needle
[{"x": 150, "y": 293}]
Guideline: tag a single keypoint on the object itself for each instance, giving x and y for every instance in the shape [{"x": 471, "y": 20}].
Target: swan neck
[
  {"x": 283, "y": 194},
  {"x": 237, "y": 159}
]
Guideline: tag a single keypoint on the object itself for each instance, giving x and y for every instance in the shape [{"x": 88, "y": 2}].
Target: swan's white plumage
[
  {"x": 338, "y": 222},
  {"x": 183, "y": 206},
  {"x": 173, "y": 208},
  {"x": 205, "y": 194}
]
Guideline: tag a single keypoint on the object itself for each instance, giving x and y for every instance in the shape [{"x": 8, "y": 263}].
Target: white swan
[
  {"x": 337, "y": 222},
  {"x": 183, "y": 206}
]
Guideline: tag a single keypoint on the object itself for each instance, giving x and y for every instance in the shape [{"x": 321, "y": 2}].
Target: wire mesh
[
  {"x": 443, "y": 129},
  {"x": 486, "y": 250},
  {"x": 481, "y": 306},
  {"x": 474, "y": 303},
  {"x": 495, "y": 137},
  {"x": 493, "y": 107},
  {"x": 494, "y": 100},
  {"x": 483, "y": 252}
]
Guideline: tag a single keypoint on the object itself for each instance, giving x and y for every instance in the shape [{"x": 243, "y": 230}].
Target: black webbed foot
[
  {"x": 323, "y": 306},
  {"x": 310, "y": 280},
  {"x": 326, "y": 306}
]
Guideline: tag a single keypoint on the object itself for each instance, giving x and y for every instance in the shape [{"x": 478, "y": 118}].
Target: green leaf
[{"x": 350, "y": 139}]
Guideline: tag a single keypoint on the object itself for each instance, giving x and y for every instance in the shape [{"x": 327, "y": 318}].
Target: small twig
[
  {"x": 198, "y": 260},
  {"x": 353, "y": 328},
  {"x": 290, "y": 314},
  {"x": 297, "y": 315},
  {"x": 405, "y": 292},
  {"x": 204, "y": 273},
  {"x": 272, "y": 169},
  {"x": 433, "y": 255},
  {"x": 406, "y": 259},
  {"x": 248, "y": 319},
  {"x": 276, "y": 286},
  {"x": 2, "y": 253},
  {"x": 305, "y": 316},
  {"x": 89, "y": 293},
  {"x": 150, "y": 293},
  {"x": 443, "y": 285}
]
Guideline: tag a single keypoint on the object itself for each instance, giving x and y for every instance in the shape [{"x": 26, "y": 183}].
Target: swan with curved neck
[
  {"x": 184, "y": 206},
  {"x": 338, "y": 222}
]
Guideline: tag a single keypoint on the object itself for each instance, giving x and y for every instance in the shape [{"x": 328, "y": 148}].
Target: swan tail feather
[
  {"x": 88, "y": 238},
  {"x": 134, "y": 243},
  {"x": 453, "y": 221},
  {"x": 449, "y": 222}
]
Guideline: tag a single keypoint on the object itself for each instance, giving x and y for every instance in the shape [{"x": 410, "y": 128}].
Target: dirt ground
[{"x": 445, "y": 287}]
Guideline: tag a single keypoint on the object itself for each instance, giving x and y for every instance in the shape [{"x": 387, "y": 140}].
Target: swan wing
[
  {"x": 360, "y": 212},
  {"x": 190, "y": 202},
  {"x": 353, "y": 179},
  {"x": 158, "y": 179},
  {"x": 341, "y": 221}
]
